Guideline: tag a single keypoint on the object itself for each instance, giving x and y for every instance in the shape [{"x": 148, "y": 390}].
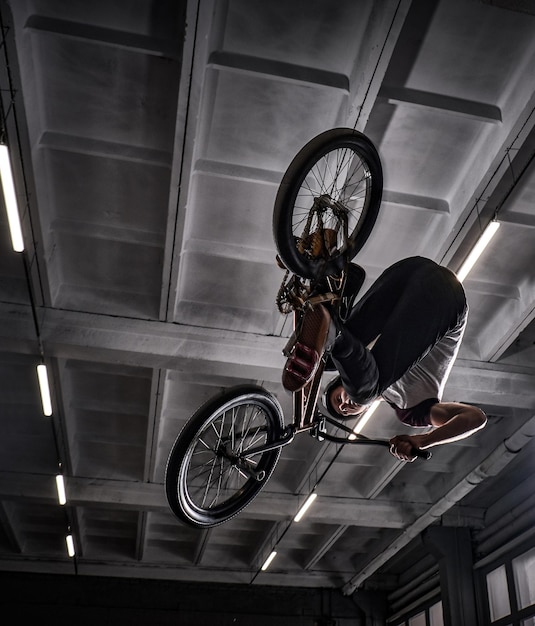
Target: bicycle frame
[
  {"x": 318, "y": 228},
  {"x": 296, "y": 296},
  {"x": 306, "y": 416}
]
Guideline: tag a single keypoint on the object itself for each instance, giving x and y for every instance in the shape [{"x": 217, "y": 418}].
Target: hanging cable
[
  {"x": 9, "y": 119},
  {"x": 494, "y": 175}
]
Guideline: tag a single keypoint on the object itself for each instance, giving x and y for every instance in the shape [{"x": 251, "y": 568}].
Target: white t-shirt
[{"x": 427, "y": 378}]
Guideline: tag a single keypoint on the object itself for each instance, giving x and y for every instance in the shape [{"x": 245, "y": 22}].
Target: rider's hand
[{"x": 402, "y": 447}]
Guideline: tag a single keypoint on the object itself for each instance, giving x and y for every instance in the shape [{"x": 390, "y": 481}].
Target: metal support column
[{"x": 452, "y": 548}]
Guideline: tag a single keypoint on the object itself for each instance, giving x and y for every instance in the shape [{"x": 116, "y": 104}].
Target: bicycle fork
[{"x": 305, "y": 420}]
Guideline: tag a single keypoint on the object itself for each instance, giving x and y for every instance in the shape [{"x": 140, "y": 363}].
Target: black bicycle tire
[
  {"x": 183, "y": 508},
  {"x": 289, "y": 188}
]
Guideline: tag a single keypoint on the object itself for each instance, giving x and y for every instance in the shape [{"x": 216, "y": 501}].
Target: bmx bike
[{"x": 325, "y": 210}]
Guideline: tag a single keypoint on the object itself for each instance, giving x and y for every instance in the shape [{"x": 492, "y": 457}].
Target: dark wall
[{"x": 81, "y": 600}]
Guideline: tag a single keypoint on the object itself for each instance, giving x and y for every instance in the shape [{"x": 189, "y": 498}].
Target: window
[
  {"x": 436, "y": 617},
  {"x": 498, "y": 593},
  {"x": 524, "y": 576},
  {"x": 510, "y": 590},
  {"x": 418, "y": 620},
  {"x": 431, "y": 616}
]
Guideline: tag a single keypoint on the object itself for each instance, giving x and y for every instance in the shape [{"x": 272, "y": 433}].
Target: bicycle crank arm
[
  {"x": 286, "y": 438},
  {"x": 249, "y": 472}
]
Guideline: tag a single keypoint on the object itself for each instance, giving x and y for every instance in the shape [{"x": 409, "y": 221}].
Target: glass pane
[
  {"x": 529, "y": 622},
  {"x": 436, "y": 617},
  {"x": 498, "y": 593},
  {"x": 418, "y": 620},
  {"x": 524, "y": 573}
]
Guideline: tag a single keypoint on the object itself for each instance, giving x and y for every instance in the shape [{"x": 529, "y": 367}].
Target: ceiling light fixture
[
  {"x": 267, "y": 562},
  {"x": 70, "y": 545},
  {"x": 10, "y": 200},
  {"x": 364, "y": 419},
  {"x": 305, "y": 507},
  {"x": 60, "y": 486},
  {"x": 45, "y": 390},
  {"x": 481, "y": 244}
]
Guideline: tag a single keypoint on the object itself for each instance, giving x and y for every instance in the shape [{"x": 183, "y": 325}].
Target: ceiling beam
[
  {"x": 133, "y": 495},
  {"x": 326, "y": 544},
  {"x": 9, "y": 530},
  {"x": 384, "y": 26},
  {"x": 485, "y": 172},
  {"x": 62, "y": 142},
  {"x": 268, "y": 542},
  {"x": 494, "y": 384},
  {"x": 141, "y": 535},
  {"x": 201, "y": 545},
  {"x": 145, "y": 343},
  {"x": 480, "y": 111},
  {"x": 503, "y": 329},
  {"x": 402, "y": 200},
  {"x": 197, "y": 40},
  {"x": 104, "y": 36},
  {"x": 277, "y": 70}
]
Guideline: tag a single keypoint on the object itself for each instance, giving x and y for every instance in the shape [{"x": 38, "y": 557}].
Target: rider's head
[{"x": 338, "y": 403}]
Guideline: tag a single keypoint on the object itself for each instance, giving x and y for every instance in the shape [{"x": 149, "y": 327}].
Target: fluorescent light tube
[
  {"x": 70, "y": 545},
  {"x": 45, "y": 389},
  {"x": 10, "y": 200},
  {"x": 474, "y": 255},
  {"x": 305, "y": 507},
  {"x": 364, "y": 419},
  {"x": 267, "y": 562},
  {"x": 60, "y": 485}
]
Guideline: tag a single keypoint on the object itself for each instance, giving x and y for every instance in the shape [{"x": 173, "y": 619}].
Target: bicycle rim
[
  {"x": 343, "y": 179},
  {"x": 328, "y": 203},
  {"x": 215, "y": 479}
]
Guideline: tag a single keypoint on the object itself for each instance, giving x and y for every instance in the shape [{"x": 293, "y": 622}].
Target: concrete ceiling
[{"x": 148, "y": 141}]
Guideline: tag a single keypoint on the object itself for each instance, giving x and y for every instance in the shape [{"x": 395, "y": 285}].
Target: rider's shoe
[{"x": 306, "y": 353}]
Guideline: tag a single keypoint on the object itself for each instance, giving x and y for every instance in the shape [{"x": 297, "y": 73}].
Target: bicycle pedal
[{"x": 324, "y": 298}]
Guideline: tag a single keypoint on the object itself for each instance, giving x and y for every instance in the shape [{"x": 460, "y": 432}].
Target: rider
[{"x": 399, "y": 343}]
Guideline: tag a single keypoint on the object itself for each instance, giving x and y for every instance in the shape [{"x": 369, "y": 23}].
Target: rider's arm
[{"x": 453, "y": 421}]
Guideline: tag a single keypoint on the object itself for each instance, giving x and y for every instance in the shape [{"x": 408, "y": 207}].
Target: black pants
[{"x": 411, "y": 306}]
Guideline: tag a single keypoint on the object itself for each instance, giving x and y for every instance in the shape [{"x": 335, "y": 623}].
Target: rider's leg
[{"x": 407, "y": 310}]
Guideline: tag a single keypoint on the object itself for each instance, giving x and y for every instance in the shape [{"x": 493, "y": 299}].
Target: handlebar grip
[{"x": 422, "y": 454}]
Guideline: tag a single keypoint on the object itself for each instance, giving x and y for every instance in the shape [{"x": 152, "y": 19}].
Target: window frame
[
  {"x": 516, "y": 617},
  {"x": 422, "y": 608}
]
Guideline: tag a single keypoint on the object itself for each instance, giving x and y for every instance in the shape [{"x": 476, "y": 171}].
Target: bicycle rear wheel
[
  {"x": 208, "y": 478},
  {"x": 327, "y": 203}
]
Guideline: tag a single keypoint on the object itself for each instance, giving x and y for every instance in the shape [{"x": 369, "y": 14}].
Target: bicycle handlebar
[
  {"x": 417, "y": 452},
  {"x": 422, "y": 454},
  {"x": 362, "y": 439}
]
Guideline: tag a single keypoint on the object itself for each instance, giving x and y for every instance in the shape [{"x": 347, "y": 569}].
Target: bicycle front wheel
[
  {"x": 327, "y": 203},
  {"x": 210, "y": 477}
]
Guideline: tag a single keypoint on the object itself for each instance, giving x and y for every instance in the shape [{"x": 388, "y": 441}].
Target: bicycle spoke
[
  {"x": 208, "y": 483},
  {"x": 218, "y": 488},
  {"x": 206, "y": 445},
  {"x": 340, "y": 175},
  {"x": 212, "y": 476}
]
